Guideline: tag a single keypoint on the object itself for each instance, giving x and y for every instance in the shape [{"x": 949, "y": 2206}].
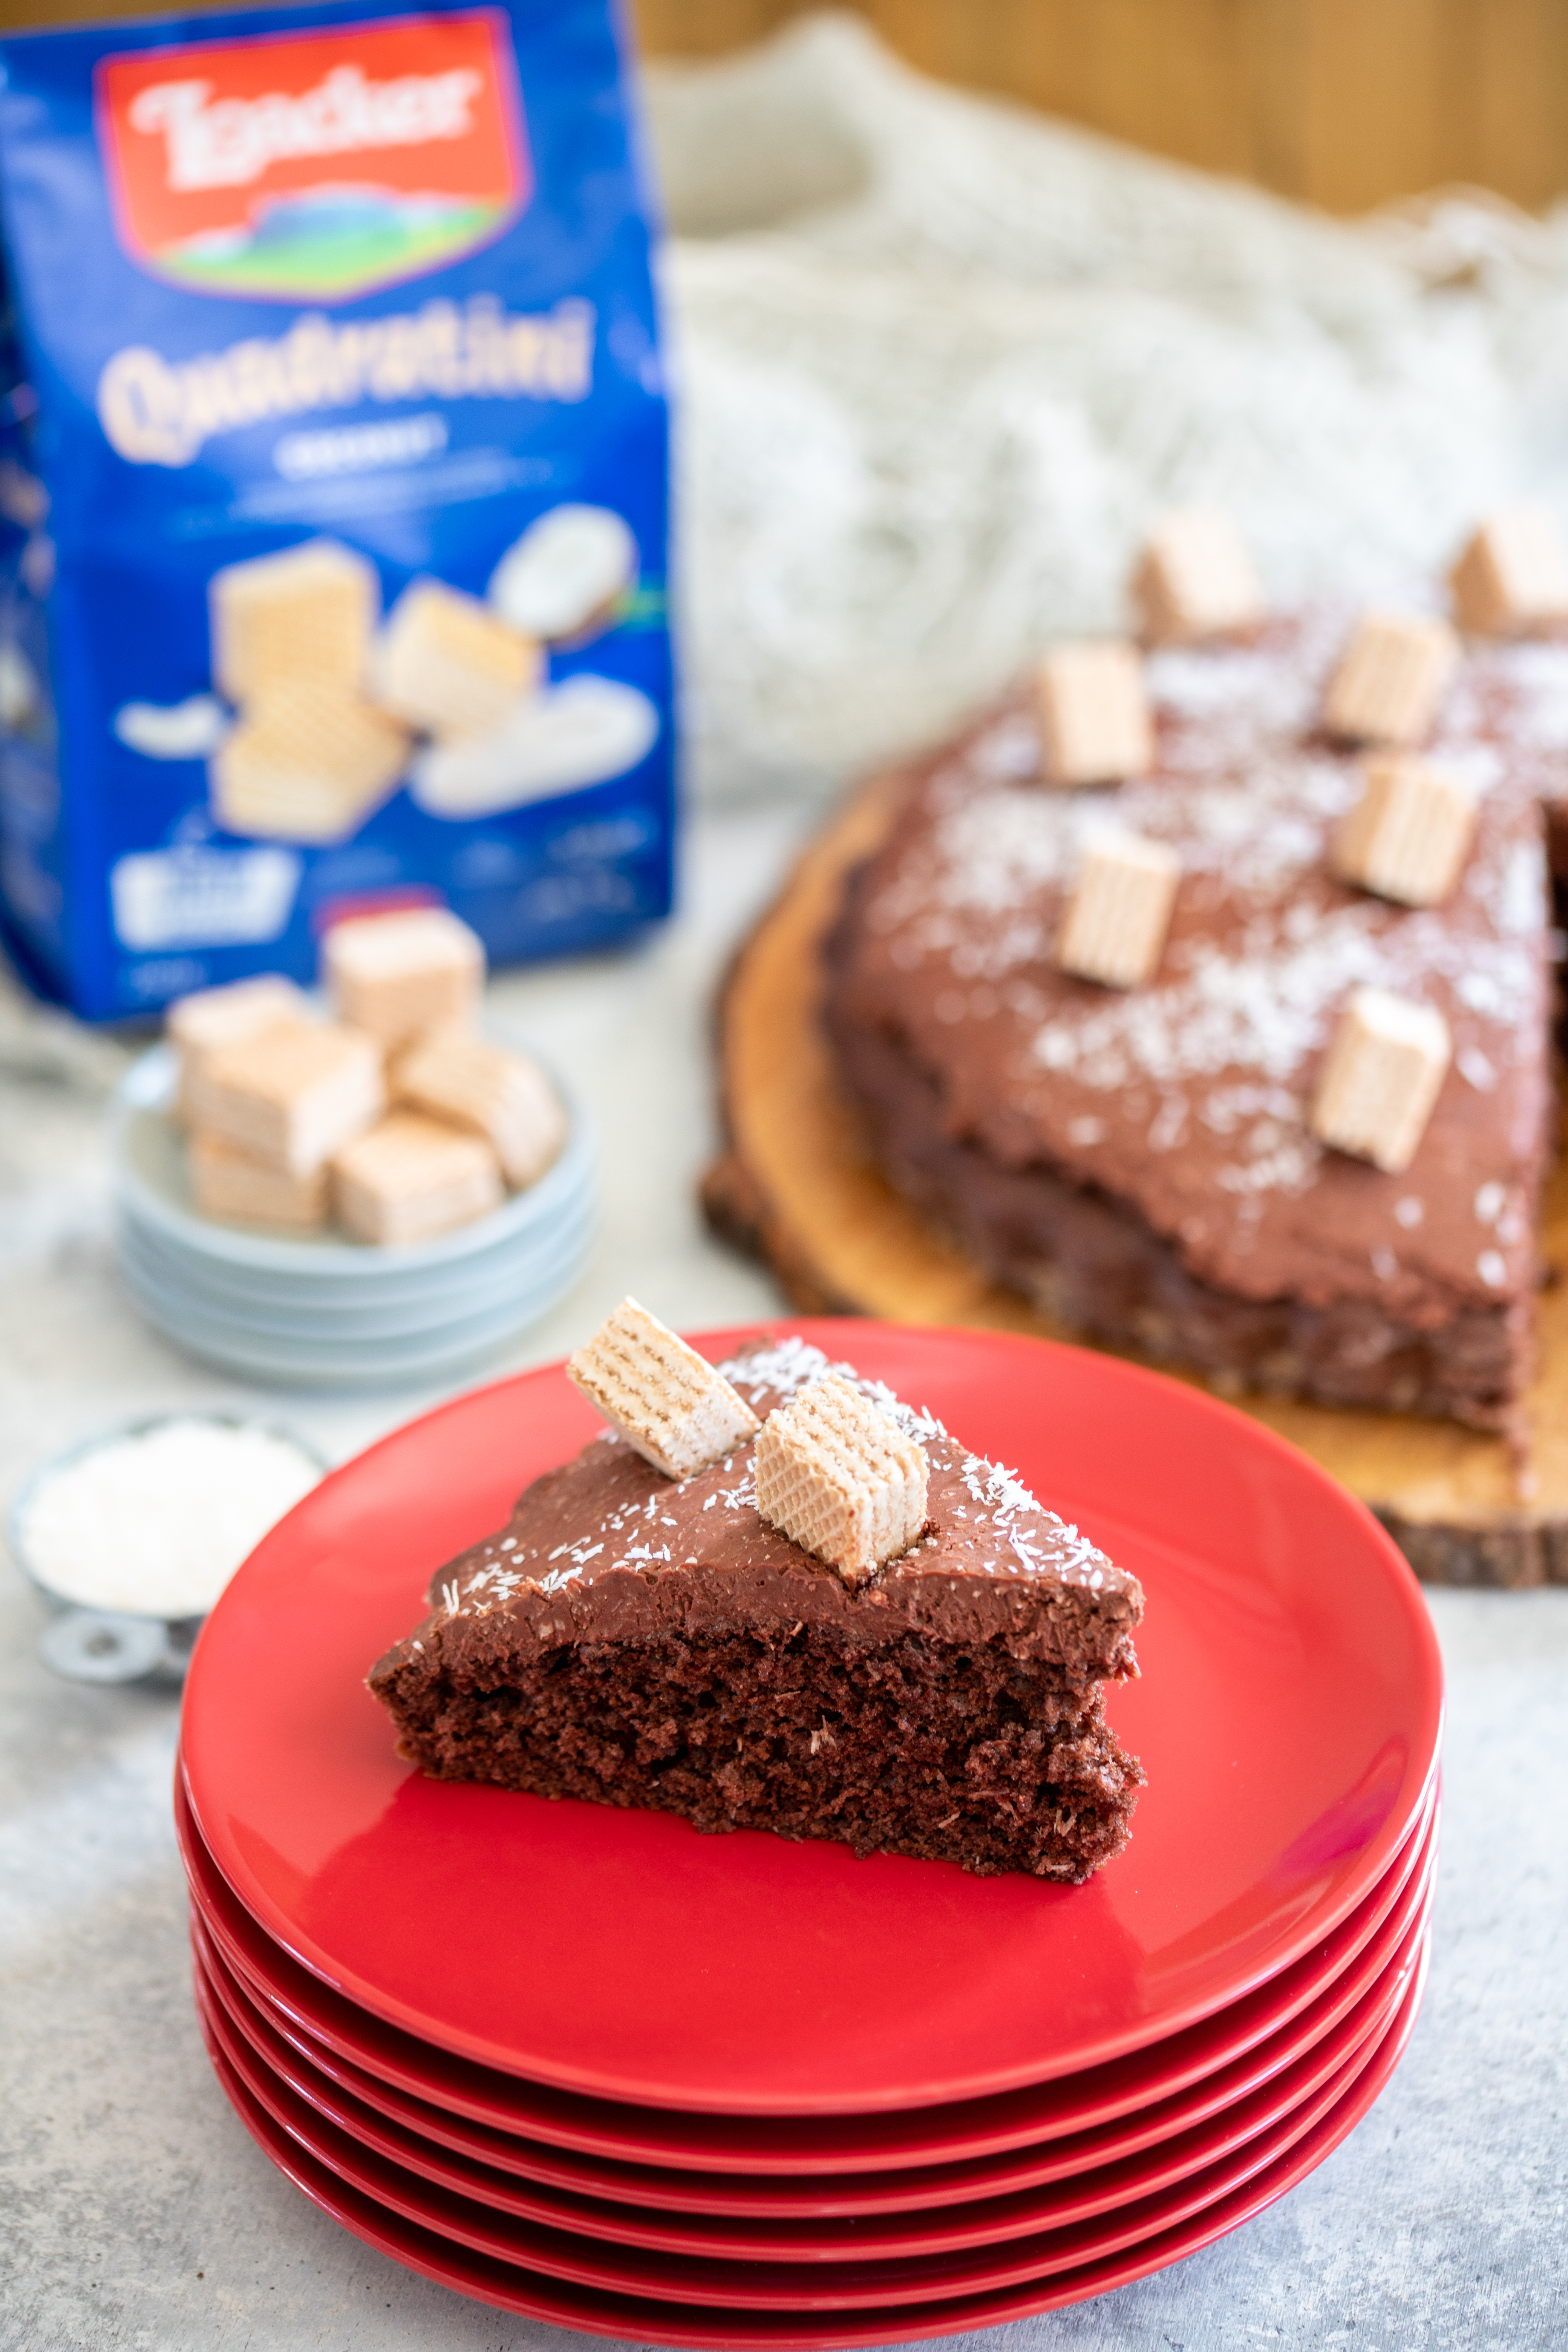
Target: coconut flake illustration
[
  {"x": 579, "y": 733},
  {"x": 174, "y": 731},
  {"x": 564, "y": 577}
]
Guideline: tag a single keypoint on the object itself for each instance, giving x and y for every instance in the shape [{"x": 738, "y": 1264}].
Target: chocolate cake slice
[
  {"x": 642, "y": 1640},
  {"x": 1143, "y": 1163}
]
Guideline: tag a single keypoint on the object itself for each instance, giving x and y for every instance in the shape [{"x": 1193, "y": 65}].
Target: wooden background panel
[{"x": 1343, "y": 103}]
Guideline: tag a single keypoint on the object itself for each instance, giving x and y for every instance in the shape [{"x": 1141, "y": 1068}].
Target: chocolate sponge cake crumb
[{"x": 638, "y": 1641}]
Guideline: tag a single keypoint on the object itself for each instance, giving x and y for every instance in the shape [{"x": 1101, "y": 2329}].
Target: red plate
[
  {"x": 780, "y": 2146},
  {"x": 1289, "y": 1716},
  {"x": 802, "y": 2289},
  {"x": 265, "y": 2059},
  {"x": 582, "y": 2166},
  {"x": 628, "y": 2318}
]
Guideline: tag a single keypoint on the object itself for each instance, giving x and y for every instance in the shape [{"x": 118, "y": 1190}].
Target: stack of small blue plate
[{"x": 322, "y": 1311}]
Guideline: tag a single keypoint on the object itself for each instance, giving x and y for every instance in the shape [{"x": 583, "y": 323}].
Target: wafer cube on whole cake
[
  {"x": 1195, "y": 580},
  {"x": 1094, "y": 713}
]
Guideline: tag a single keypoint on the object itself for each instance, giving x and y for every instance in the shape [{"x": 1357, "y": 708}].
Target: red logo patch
[{"x": 315, "y": 166}]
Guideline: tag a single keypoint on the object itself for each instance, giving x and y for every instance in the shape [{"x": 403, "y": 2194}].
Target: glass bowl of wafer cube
[{"x": 361, "y": 1188}]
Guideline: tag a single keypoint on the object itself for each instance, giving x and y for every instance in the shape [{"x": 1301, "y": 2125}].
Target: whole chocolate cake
[
  {"x": 642, "y": 1639},
  {"x": 1144, "y": 1160}
]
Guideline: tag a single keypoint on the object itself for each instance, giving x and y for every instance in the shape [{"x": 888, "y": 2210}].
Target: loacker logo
[{"x": 318, "y": 166}]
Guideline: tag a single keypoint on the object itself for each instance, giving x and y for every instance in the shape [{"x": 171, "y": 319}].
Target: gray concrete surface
[{"x": 135, "y": 2212}]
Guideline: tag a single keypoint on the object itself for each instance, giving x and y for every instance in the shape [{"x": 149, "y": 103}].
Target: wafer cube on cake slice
[
  {"x": 309, "y": 761},
  {"x": 308, "y": 610},
  {"x": 1512, "y": 576},
  {"x": 292, "y": 1095},
  {"x": 211, "y": 1018},
  {"x": 1390, "y": 679},
  {"x": 452, "y": 1074},
  {"x": 841, "y": 1479},
  {"x": 411, "y": 1177},
  {"x": 1095, "y": 727},
  {"x": 660, "y": 1395},
  {"x": 399, "y": 974},
  {"x": 1195, "y": 580},
  {"x": 236, "y": 1187},
  {"x": 451, "y": 666}
]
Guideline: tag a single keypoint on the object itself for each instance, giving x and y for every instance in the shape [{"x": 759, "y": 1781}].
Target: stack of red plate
[{"x": 585, "y": 2066}]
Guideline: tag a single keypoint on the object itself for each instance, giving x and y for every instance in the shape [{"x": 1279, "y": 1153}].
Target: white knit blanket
[{"x": 937, "y": 362}]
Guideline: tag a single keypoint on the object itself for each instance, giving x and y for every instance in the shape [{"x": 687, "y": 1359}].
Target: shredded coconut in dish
[{"x": 154, "y": 1524}]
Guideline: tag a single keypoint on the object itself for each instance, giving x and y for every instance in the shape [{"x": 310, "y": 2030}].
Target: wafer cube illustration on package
[
  {"x": 306, "y": 611},
  {"x": 449, "y": 665},
  {"x": 1380, "y": 1078},
  {"x": 238, "y": 1189},
  {"x": 1409, "y": 833},
  {"x": 1094, "y": 713},
  {"x": 473, "y": 1084},
  {"x": 660, "y": 1395},
  {"x": 307, "y": 762},
  {"x": 204, "y": 1023},
  {"x": 1390, "y": 679},
  {"x": 292, "y": 1095},
  {"x": 1114, "y": 930},
  {"x": 1195, "y": 580},
  {"x": 396, "y": 976},
  {"x": 411, "y": 1177},
  {"x": 840, "y": 1479},
  {"x": 1512, "y": 575}
]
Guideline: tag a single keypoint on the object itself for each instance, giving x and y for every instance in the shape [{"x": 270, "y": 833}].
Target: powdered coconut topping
[
  {"x": 1214, "y": 1059},
  {"x": 989, "y": 1522}
]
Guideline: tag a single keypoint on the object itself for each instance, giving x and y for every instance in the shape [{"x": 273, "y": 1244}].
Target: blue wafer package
[{"x": 332, "y": 491}]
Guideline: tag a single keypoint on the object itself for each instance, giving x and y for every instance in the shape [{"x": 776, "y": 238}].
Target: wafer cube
[
  {"x": 213, "y": 1018},
  {"x": 1390, "y": 679},
  {"x": 1409, "y": 834},
  {"x": 660, "y": 1395},
  {"x": 1381, "y": 1077},
  {"x": 472, "y": 1083},
  {"x": 1094, "y": 714},
  {"x": 841, "y": 1479},
  {"x": 238, "y": 1189},
  {"x": 1513, "y": 577},
  {"x": 451, "y": 666},
  {"x": 292, "y": 1095},
  {"x": 309, "y": 761},
  {"x": 308, "y": 612},
  {"x": 1195, "y": 580},
  {"x": 399, "y": 974},
  {"x": 1116, "y": 921},
  {"x": 411, "y": 1177}
]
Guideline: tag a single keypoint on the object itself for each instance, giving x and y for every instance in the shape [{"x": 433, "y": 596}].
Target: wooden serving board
[{"x": 795, "y": 1185}]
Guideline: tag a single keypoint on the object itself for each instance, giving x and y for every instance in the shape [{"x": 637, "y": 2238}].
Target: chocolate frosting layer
[
  {"x": 606, "y": 1550},
  {"x": 1186, "y": 1099}
]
